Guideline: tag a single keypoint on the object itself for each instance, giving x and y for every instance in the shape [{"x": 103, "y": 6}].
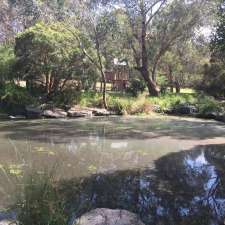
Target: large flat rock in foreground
[{"x": 108, "y": 217}]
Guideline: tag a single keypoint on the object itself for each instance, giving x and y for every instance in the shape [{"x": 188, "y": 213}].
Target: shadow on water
[
  {"x": 62, "y": 131},
  {"x": 183, "y": 188}
]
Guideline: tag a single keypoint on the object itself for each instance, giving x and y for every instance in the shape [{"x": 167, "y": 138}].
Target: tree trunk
[
  {"x": 94, "y": 86},
  {"x": 104, "y": 91},
  {"x": 170, "y": 79},
  {"x": 151, "y": 85},
  {"x": 177, "y": 84}
]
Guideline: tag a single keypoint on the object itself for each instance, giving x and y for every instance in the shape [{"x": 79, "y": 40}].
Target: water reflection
[
  {"x": 183, "y": 188},
  {"x": 138, "y": 164}
]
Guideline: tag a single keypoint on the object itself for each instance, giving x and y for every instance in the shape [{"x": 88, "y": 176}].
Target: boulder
[
  {"x": 220, "y": 117},
  {"x": 33, "y": 112},
  {"x": 185, "y": 109},
  {"x": 209, "y": 115},
  {"x": 8, "y": 222},
  {"x": 157, "y": 108},
  {"x": 109, "y": 217},
  {"x": 54, "y": 113},
  {"x": 79, "y": 112},
  {"x": 100, "y": 112}
]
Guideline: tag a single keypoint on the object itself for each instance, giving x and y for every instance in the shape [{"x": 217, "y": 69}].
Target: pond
[{"x": 168, "y": 170}]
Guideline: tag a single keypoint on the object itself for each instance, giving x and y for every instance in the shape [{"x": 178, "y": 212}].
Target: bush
[
  {"x": 13, "y": 98},
  {"x": 172, "y": 100},
  {"x": 7, "y": 60},
  {"x": 136, "y": 87},
  {"x": 208, "y": 104},
  {"x": 68, "y": 97},
  {"x": 213, "y": 80}
]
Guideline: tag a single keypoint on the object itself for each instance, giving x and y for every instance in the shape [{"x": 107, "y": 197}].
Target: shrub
[
  {"x": 213, "y": 80},
  {"x": 136, "y": 87},
  {"x": 208, "y": 104},
  {"x": 67, "y": 97},
  {"x": 13, "y": 98}
]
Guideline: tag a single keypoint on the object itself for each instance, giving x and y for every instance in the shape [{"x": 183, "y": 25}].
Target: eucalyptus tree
[
  {"x": 97, "y": 26},
  {"x": 153, "y": 27},
  {"x": 214, "y": 74},
  {"x": 218, "y": 39},
  {"x": 182, "y": 65}
]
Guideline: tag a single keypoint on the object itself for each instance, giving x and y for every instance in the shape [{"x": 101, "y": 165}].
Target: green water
[{"x": 162, "y": 168}]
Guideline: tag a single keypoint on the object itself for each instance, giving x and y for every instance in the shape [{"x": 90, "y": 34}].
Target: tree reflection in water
[{"x": 184, "y": 188}]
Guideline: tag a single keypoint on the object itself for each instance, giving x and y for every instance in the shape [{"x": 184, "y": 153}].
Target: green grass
[{"x": 143, "y": 104}]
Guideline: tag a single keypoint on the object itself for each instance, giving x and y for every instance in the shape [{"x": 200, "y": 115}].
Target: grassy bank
[
  {"x": 13, "y": 100},
  {"x": 143, "y": 104}
]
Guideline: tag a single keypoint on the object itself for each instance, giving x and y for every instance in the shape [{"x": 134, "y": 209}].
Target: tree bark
[
  {"x": 153, "y": 90},
  {"x": 177, "y": 85},
  {"x": 170, "y": 79},
  {"x": 152, "y": 87},
  {"x": 104, "y": 91}
]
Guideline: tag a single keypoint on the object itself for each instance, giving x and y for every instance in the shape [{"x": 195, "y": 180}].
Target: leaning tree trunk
[
  {"x": 144, "y": 70},
  {"x": 153, "y": 90}
]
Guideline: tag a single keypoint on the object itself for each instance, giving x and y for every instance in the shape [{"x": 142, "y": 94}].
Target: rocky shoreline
[
  {"x": 50, "y": 112},
  {"x": 193, "y": 111}
]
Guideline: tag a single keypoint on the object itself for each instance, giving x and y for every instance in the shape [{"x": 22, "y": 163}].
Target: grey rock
[
  {"x": 33, "y": 112},
  {"x": 169, "y": 111},
  {"x": 108, "y": 217},
  {"x": 220, "y": 117},
  {"x": 54, "y": 113},
  {"x": 100, "y": 112},
  {"x": 185, "y": 109},
  {"x": 79, "y": 112},
  {"x": 210, "y": 115},
  {"x": 157, "y": 108},
  {"x": 17, "y": 117},
  {"x": 8, "y": 222}
]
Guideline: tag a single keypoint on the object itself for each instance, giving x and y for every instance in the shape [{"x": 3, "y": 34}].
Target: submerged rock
[
  {"x": 33, "y": 112},
  {"x": 109, "y": 217},
  {"x": 54, "y": 113}
]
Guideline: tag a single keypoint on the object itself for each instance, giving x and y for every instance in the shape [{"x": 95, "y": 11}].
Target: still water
[{"x": 168, "y": 170}]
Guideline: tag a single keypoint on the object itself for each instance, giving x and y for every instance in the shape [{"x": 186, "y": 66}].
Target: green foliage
[
  {"x": 214, "y": 74},
  {"x": 90, "y": 98},
  {"x": 40, "y": 203},
  {"x": 7, "y": 60},
  {"x": 218, "y": 40},
  {"x": 13, "y": 98},
  {"x": 172, "y": 100},
  {"x": 67, "y": 97},
  {"x": 136, "y": 86},
  {"x": 208, "y": 104},
  {"x": 214, "y": 79},
  {"x": 49, "y": 55}
]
